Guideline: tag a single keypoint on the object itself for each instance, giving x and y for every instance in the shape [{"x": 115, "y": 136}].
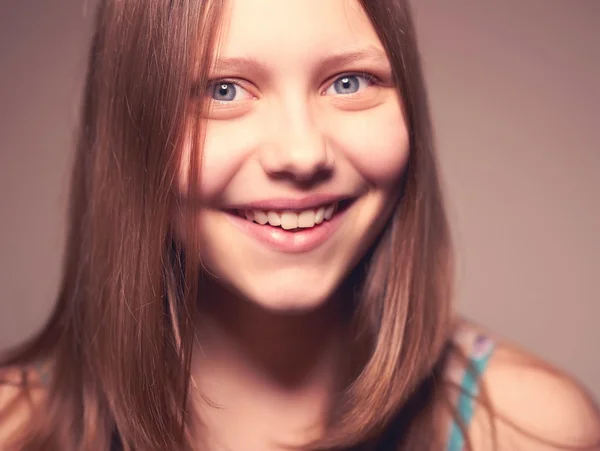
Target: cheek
[
  {"x": 225, "y": 149},
  {"x": 375, "y": 142}
]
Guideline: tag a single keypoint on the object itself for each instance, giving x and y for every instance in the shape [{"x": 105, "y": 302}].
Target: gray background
[{"x": 514, "y": 87}]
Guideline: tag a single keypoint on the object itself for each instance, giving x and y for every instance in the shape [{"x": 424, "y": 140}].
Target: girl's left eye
[
  {"x": 349, "y": 84},
  {"x": 226, "y": 91}
]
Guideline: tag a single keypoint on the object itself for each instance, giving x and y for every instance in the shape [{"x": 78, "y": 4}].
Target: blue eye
[
  {"x": 223, "y": 91},
  {"x": 349, "y": 84}
]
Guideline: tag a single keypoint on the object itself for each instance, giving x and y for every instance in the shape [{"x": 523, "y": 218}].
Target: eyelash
[{"x": 370, "y": 78}]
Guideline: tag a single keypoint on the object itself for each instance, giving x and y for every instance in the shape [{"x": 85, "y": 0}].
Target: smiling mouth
[{"x": 293, "y": 221}]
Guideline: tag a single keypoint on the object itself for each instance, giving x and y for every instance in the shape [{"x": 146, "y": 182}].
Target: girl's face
[{"x": 303, "y": 119}]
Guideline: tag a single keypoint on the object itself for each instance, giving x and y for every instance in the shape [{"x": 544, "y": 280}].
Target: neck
[{"x": 271, "y": 374}]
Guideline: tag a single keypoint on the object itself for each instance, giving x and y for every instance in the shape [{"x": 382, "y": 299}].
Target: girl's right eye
[{"x": 226, "y": 91}]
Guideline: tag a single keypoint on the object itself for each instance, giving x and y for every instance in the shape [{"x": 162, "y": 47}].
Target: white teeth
[
  {"x": 274, "y": 218},
  {"x": 329, "y": 212},
  {"x": 306, "y": 219},
  {"x": 290, "y": 220},
  {"x": 261, "y": 217},
  {"x": 320, "y": 215}
]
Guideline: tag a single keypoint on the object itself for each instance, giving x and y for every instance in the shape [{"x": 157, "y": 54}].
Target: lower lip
[{"x": 303, "y": 240}]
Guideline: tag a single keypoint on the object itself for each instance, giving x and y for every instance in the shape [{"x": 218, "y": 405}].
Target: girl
[{"x": 258, "y": 257}]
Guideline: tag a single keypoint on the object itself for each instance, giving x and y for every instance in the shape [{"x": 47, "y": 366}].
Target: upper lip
[{"x": 299, "y": 204}]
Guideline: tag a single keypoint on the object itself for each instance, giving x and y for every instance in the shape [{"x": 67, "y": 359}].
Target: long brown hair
[{"x": 120, "y": 336}]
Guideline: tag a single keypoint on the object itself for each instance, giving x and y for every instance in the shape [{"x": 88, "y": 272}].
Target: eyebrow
[
  {"x": 238, "y": 65},
  {"x": 369, "y": 54},
  {"x": 346, "y": 58}
]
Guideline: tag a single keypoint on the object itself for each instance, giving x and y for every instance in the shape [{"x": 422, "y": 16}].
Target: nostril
[
  {"x": 302, "y": 159},
  {"x": 303, "y": 180}
]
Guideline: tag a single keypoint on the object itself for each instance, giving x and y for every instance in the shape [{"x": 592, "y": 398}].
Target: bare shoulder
[
  {"x": 534, "y": 406},
  {"x": 21, "y": 390}
]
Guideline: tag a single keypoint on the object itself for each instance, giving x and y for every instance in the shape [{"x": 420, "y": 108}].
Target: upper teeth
[{"x": 289, "y": 220}]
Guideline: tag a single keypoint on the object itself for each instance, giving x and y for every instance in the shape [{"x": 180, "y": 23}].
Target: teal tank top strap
[{"x": 481, "y": 351}]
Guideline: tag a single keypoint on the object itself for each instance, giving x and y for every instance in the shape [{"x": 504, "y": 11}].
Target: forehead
[{"x": 292, "y": 29}]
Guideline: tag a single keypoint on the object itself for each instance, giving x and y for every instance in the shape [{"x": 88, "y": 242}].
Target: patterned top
[{"x": 479, "y": 349}]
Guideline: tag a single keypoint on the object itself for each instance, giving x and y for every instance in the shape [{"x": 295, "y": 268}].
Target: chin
[
  {"x": 296, "y": 301},
  {"x": 287, "y": 293},
  {"x": 292, "y": 303}
]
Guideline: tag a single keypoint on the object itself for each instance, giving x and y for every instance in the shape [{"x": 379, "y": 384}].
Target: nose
[{"x": 297, "y": 148}]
